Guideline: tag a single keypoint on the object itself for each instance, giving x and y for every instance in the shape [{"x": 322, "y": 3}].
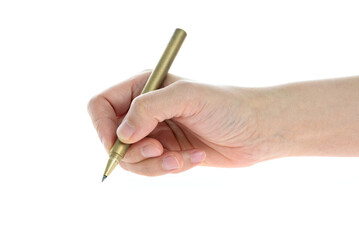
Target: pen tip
[{"x": 104, "y": 177}]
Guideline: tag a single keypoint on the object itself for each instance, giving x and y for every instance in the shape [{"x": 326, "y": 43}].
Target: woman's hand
[
  {"x": 182, "y": 125},
  {"x": 185, "y": 124}
]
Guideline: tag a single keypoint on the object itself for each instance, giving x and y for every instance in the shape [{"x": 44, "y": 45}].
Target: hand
[
  {"x": 181, "y": 125},
  {"x": 185, "y": 124}
]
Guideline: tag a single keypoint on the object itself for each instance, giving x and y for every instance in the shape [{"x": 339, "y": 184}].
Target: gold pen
[{"x": 155, "y": 80}]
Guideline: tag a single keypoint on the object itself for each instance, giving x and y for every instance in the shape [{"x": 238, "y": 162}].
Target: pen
[{"x": 155, "y": 80}]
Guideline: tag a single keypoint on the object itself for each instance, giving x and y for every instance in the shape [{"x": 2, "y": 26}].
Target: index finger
[{"x": 106, "y": 109}]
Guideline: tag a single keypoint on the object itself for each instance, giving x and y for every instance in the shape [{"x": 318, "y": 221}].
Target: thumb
[{"x": 147, "y": 110}]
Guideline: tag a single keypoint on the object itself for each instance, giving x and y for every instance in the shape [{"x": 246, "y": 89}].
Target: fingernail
[
  {"x": 170, "y": 163},
  {"x": 197, "y": 156},
  {"x": 125, "y": 130},
  {"x": 150, "y": 151}
]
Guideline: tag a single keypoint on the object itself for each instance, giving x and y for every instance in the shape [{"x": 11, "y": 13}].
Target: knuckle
[
  {"x": 183, "y": 84},
  {"x": 131, "y": 156},
  {"x": 139, "y": 105},
  {"x": 93, "y": 102},
  {"x": 188, "y": 93},
  {"x": 187, "y": 87},
  {"x": 141, "y": 168},
  {"x": 146, "y": 170}
]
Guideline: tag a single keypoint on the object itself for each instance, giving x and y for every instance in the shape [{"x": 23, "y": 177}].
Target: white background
[{"x": 55, "y": 55}]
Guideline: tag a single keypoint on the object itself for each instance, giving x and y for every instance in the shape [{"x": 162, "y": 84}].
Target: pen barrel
[
  {"x": 119, "y": 148},
  {"x": 158, "y": 74},
  {"x": 154, "y": 82}
]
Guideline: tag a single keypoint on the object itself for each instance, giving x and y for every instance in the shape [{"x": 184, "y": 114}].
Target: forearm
[{"x": 318, "y": 118}]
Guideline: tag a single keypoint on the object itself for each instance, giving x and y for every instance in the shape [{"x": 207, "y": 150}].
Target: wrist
[
  {"x": 267, "y": 130},
  {"x": 289, "y": 123},
  {"x": 314, "y": 118},
  {"x": 273, "y": 120},
  {"x": 282, "y": 123}
]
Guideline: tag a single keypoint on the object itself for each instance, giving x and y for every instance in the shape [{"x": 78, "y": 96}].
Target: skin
[{"x": 185, "y": 124}]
